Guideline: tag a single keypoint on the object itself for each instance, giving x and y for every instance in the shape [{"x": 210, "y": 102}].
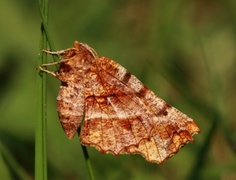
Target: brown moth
[{"x": 119, "y": 113}]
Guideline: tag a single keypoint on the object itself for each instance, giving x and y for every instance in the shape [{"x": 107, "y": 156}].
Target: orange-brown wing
[
  {"x": 70, "y": 107},
  {"x": 123, "y": 116},
  {"x": 113, "y": 120}
]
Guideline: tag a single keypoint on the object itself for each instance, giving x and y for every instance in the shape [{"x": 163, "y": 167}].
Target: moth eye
[
  {"x": 64, "y": 84},
  {"x": 65, "y": 68}
]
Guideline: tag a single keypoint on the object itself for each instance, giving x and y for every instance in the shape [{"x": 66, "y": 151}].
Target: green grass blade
[
  {"x": 41, "y": 126},
  {"x": 6, "y": 155}
]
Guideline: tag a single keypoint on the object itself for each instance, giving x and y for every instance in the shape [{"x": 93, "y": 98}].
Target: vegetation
[{"x": 183, "y": 50}]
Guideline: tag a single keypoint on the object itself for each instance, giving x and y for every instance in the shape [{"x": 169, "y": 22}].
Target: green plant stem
[
  {"x": 11, "y": 161},
  {"x": 42, "y": 86},
  {"x": 86, "y": 156},
  {"x": 48, "y": 36},
  {"x": 41, "y": 126}
]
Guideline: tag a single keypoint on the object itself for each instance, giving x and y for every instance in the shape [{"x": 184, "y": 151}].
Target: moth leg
[
  {"x": 53, "y": 63},
  {"x": 62, "y": 52},
  {"x": 55, "y": 53},
  {"x": 47, "y": 71},
  {"x": 50, "y": 64}
]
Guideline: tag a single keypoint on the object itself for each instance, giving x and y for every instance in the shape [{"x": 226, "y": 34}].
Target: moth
[{"x": 116, "y": 112}]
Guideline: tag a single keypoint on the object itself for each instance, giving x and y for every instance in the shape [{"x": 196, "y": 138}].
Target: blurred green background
[{"x": 183, "y": 50}]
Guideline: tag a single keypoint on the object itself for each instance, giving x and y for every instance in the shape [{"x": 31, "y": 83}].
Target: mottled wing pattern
[
  {"x": 133, "y": 118},
  {"x": 70, "y": 99},
  {"x": 70, "y": 107},
  {"x": 113, "y": 120},
  {"x": 121, "y": 115}
]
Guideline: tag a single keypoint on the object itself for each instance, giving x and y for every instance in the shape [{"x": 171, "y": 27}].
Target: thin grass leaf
[
  {"x": 41, "y": 126},
  {"x": 6, "y": 155}
]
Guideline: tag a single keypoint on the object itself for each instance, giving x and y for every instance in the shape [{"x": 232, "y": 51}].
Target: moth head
[{"x": 85, "y": 49}]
